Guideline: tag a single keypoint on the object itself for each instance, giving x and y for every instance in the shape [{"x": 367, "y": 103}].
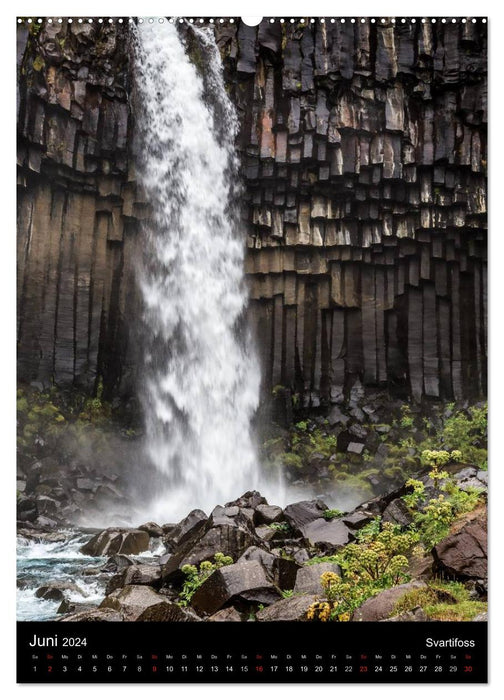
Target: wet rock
[
  {"x": 134, "y": 601},
  {"x": 116, "y": 541},
  {"x": 288, "y": 610},
  {"x": 152, "y": 529},
  {"x": 137, "y": 575},
  {"x": 187, "y": 529},
  {"x": 308, "y": 577},
  {"x": 116, "y": 563},
  {"x": 244, "y": 582},
  {"x": 463, "y": 554},
  {"x": 380, "y": 606},
  {"x": 337, "y": 417},
  {"x": 58, "y": 590}
]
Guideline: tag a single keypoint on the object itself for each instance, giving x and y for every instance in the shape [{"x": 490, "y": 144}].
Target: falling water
[{"x": 201, "y": 380}]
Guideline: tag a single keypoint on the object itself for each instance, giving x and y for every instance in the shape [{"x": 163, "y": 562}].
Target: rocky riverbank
[{"x": 249, "y": 560}]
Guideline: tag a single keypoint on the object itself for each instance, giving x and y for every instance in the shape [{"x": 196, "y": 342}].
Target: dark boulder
[
  {"x": 280, "y": 570},
  {"x": 397, "y": 513},
  {"x": 250, "y": 499},
  {"x": 186, "y": 530},
  {"x": 99, "y": 615},
  {"x": 300, "y": 514},
  {"x": 231, "y": 535},
  {"x": 136, "y": 575},
  {"x": 142, "y": 603},
  {"x": 329, "y": 535},
  {"x": 152, "y": 529},
  {"x": 265, "y": 515},
  {"x": 245, "y": 582},
  {"x": 58, "y": 590},
  {"x": 287, "y": 610},
  {"x": 116, "y": 541},
  {"x": 463, "y": 554}
]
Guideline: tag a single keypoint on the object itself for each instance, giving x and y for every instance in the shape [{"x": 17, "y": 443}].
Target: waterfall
[{"x": 201, "y": 375}]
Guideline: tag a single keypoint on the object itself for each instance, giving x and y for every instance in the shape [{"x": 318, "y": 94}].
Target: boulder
[
  {"x": 397, "y": 513},
  {"x": 167, "y": 611},
  {"x": 329, "y": 535},
  {"x": 380, "y": 606},
  {"x": 116, "y": 541},
  {"x": 244, "y": 582},
  {"x": 280, "y": 570},
  {"x": 300, "y": 514},
  {"x": 287, "y": 610},
  {"x": 58, "y": 590},
  {"x": 415, "y": 615},
  {"x": 152, "y": 529},
  {"x": 265, "y": 533},
  {"x": 186, "y": 530},
  {"x": 225, "y": 615},
  {"x": 250, "y": 499},
  {"x": 265, "y": 515},
  {"x": 308, "y": 577},
  {"x": 463, "y": 554},
  {"x": 221, "y": 533},
  {"x": 104, "y": 615},
  {"x": 135, "y": 603},
  {"x": 357, "y": 519},
  {"x": 136, "y": 575},
  {"x": 116, "y": 563}
]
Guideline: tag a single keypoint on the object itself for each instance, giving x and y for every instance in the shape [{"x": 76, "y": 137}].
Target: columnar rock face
[
  {"x": 364, "y": 162},
  {"x": 78, "y": 204}
]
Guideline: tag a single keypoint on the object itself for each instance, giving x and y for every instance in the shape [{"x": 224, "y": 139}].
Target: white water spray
[{"x": 201, "y": 382}]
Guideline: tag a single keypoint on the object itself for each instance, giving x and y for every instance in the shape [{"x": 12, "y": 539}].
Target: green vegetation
[
  {"x": 280, "y": 527},
  {"x": 441, "y": 600},
  {"x": 379, "y": 558},
  {"x": 195, "y": 576},
  {"x": 332, "y": 513}
]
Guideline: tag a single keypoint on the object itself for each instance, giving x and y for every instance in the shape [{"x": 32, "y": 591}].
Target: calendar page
[{"x": 252, "y": 342}]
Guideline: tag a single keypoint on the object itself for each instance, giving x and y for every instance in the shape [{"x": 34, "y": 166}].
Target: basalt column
[{"x": 364, "y": 152}]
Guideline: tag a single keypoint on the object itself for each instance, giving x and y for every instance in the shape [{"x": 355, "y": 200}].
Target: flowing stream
[{"x": 201, "y": 378}]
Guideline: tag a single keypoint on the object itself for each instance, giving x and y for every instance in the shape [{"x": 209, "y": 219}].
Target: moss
[
  {"x": 38, "y": 63},
  {"x": 460, "y": 612},
  {"x": 22, "y": 404}
]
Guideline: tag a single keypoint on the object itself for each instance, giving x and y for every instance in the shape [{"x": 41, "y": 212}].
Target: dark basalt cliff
[{"x": 364, "y": 162}]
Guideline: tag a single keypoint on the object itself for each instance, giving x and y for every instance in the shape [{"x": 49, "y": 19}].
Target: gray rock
[
  {"x": 329, "y": 535},
  {"x": 142, "y": 603},
  {"x": 244, "y": 582},
  {"x": 116, "y": 541},
  {"x": 397, "y": 513},
  {"x": 225, "y": 615},
  {"x": 152, "y": 529},
  {"x": 265, "y": 515},
  {"x": 381, "y": 606},
  {"x": 278, "y": 569},
  {"x": 58, "y": 590},
  {"x": 138, "y": 575},
  {"x": 289, "y": 609},
  {"x": 355, "y": 447},
  {"x": 308, "y": 577},
  {"x": 300, "y": 514}
]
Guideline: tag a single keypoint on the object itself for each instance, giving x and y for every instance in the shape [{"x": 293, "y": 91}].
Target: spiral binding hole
[{"x": 272, "y": 20}]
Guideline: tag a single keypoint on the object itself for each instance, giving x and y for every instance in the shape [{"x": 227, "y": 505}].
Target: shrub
[{"x": 195, "y": 576}]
